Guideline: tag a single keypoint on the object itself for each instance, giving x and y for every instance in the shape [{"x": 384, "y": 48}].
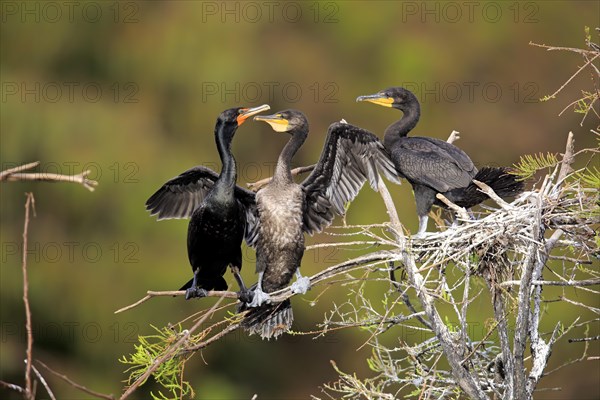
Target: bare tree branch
[
  {"x": 595, "y": 55},
  {"x": 586, "y": 339},
  {"x": 172, "y": 351},
  {"x": 279, "y": 295},
  {"x": 584, "y": 282},
  {"x": 451, "y": 350},
  {"x": 15, "y": 174},
  {"x": 29, "y": 203},
  {"x": 454, "y": 136},
  {"x": 492, "y": 195},
  {"x": 213, "y": 339},
  {"x": 44, "y": 383},
  {"x": 12, "y": 386},
  {"x": 567, "y": 159},
  {"x": 4, "y": 174},
  {"x": 459, "y": 210},
  {"x": 75, "y": 384}
]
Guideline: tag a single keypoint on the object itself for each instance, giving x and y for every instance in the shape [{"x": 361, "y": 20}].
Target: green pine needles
[
  {"x": 529, "y": 164},
  {"x": 170, "y": 373}
]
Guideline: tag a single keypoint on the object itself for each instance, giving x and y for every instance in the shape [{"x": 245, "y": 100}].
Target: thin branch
[
  {"x": 406, "y": 300},
  {"x": 522, "y": 320},
  {"x": 454, "y": 136},
  {"x": 282, "y": 294},
  {"x": 16, "y": 174},
  {"x": 44, "y": 383},
  {"x": 397, "y": 228},
  {"x": 169, "y": 353},
  {"x": 575, "y": 303},
  {"x": 553, "y": 95},
  {"x": 256, "y": 186},
  {"x": 4, "y": 174},
  {"x": 213, "y": 339},
  {"x": 465, "y": 380},
  {"x": 585, "y": 282},
  {"x": 560, "y": 48},
  {"x": 502, "y": 325},
  {"x": 30, "y": 202},
  {"x": 12, "y": 386},
  {"x": 457, "y": 209},
  {"x": 175, "y": 293},
  {"x": 585, "y": 339},
  {"x": 75, "y": 384},
  {"x": 567, "y": 159},
  {"x": 541, "y": 350},
  {"x": 50, "y": 177},
  {"x": 491, "y": 194}
]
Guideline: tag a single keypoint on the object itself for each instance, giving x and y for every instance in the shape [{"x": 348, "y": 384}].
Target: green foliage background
[{"x": 155, "y": 62}]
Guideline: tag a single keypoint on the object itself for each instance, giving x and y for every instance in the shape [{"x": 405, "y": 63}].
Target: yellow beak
[
  {"x": 379, "y": 99},
  {"x": 277, "y": 122}
]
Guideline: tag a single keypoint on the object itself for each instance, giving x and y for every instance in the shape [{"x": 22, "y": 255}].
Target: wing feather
[
  {"x": 434, "y": 163},
  {"x": 179, "y": 197},
  {"x": 350, "y": 157}
]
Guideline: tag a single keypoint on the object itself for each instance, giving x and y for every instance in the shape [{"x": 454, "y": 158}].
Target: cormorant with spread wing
[
  {"x": 286, "y": 209},
  {"x": 221, "y": 213},
  {"x": 434, "y": 166}
]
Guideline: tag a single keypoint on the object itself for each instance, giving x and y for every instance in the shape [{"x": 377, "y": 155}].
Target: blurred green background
[{"x": 131, "y": 91}]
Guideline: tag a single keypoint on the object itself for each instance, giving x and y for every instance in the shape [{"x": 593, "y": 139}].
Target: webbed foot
[
  {"x": 245, "y": 296},
  {"x": 195, "y": 291},
  {"x": 301, "y": 286},
  {"x": 259, "y": 298}
]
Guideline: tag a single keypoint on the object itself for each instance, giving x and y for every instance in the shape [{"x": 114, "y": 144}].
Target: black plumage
[
  {"x": 434, "y": 166},
  {"x": 286, "y": 210},
  {"x": 221, "y": 213}
]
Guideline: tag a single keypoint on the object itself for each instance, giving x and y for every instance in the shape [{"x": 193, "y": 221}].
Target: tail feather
[
  {"x": 498, "y": 178},
  {"x": 270, "y": 320}
]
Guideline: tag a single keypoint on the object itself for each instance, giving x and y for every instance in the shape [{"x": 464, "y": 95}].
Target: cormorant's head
[
  {"x": 396, "y": 97},
  {"x": 237, "y": 116},
  {"x": 292, "y": 121}
]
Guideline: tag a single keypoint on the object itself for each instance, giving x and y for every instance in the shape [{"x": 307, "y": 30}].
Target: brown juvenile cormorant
[
  {"x": 286, "y": 209},
  {"x": 434, "y": 166},
  {"x": 221, "y": 212}
]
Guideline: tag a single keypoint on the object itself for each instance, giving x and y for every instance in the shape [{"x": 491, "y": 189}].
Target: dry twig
[
  {"x": 75, "y": 384},
  {"x": 16, "y": 174},
  {"x": 29, "y": 203}
]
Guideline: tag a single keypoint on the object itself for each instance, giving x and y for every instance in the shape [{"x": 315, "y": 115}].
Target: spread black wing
[
  {"x": 350, "y": 157},
  {"x": 433, "y": 162},
  {"x": 180, "y": 196}
]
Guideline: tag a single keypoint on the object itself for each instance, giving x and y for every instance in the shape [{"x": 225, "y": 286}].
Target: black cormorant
[
  {"x": 287, "y": 209},
  {"x": 434, "y": 166},
  {"x": 221, "y": 212}
]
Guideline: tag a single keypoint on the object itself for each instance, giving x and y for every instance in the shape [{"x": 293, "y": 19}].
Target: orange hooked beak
[{"x": 245, "y": 113}]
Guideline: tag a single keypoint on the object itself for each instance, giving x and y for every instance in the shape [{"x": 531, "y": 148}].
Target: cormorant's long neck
[
  {"x": 283, "y": 170},
  {"x": 404, "y": 125},
  {"x": 224, "y": 136}
]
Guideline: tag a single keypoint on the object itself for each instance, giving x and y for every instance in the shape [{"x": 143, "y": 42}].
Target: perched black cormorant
[
  {"x": 287, "y": 209},
  {"x": 434, "y": 166},
  {"x": 221, "y": 212}
]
